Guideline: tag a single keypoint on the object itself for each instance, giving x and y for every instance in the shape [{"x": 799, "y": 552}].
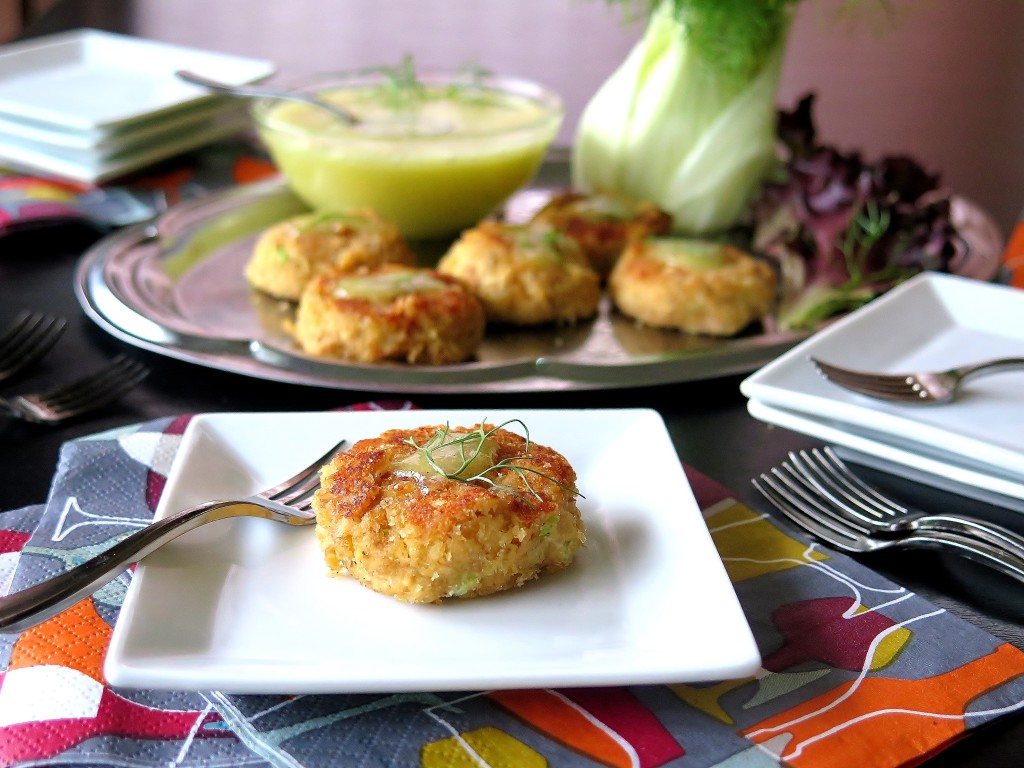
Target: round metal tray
[{"x": 176, "y": 287}]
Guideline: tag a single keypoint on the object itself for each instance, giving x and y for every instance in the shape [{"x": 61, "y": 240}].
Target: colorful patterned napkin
[
  {"x": 31, "y": 201},
  {"x": 856, "y": 670}
]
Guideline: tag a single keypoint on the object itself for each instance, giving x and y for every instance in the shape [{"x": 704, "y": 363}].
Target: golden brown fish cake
[
  {"x": 602, "y": 223},
  {"x": 693, "y": 285},
  {"x": 289, "y": 254},
  {"x": 393, "y": 313},
  {"x": 524, "y": 275},
  {"x": 385, "y": 518}
]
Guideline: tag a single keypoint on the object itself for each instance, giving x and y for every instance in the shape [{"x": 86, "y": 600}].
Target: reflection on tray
[{"x": 182, "y": 293}]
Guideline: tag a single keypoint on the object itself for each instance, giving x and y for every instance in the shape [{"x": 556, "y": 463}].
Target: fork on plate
[
  {"x": 29, "y": 336},
  {"x": 86, "y": 394},
  {"x": 915, "y": 387},
  {"x": 287, "y": 502},
  {"x": 848, "y": 514}
]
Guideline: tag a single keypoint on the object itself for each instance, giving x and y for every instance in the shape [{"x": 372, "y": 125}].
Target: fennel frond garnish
[
  {"x": 403, "y": 90},
  {"x": 464, "y": 456}
]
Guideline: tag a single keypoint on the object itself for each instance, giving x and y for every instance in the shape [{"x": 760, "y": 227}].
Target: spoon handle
[
  {"x": 215, "y": 85},
  {"x": 259, "y": 92}
]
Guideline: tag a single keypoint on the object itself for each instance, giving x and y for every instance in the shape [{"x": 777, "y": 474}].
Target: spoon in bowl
[{"x": 255, "y": 91}]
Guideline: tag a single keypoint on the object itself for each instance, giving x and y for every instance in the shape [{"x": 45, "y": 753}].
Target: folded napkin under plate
[
  {"x": 932, "y": 322},
  {"x": 856, "y": 671}
]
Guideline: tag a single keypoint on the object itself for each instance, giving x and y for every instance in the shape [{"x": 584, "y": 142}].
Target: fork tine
[
  {"x": 784, "y": 503},
  {"x": 816, "y": 470},
  {"x": 876, "y": 381},
  {"x": 96, "y": 389},
  {"x": 27, "y": 339},
  {"x": 899, "y": 386},
  {"x": 867, "y": 379},
  {"x": 870, "y": 496},
  {"x": 830, "y": 370},
  {"x": 298, "y": 489},
  {"x": 789, "y": 484}
]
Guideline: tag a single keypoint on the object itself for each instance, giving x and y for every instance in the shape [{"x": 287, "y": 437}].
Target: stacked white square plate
[
  {"x": 974, "y": 445},
  {"x": 89, "y": 105}
]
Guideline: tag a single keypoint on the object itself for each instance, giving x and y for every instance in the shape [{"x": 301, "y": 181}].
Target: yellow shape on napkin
[
  {"x": 750, "y": 545},
  {"x": 495, "y": 747}
]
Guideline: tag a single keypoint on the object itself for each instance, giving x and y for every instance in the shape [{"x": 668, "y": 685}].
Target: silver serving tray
[{"x": 176, "y": 287}]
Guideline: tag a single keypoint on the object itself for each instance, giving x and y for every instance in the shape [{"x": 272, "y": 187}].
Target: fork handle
[
  {"x": 990, "y": 533},
  {"x": 996, "y": 365},
  {"x": 971, "y": 548},
  {"x": 36, "y": 604}
]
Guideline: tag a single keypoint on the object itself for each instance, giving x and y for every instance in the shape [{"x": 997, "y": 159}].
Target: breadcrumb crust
[{"x": 422, "y": 538}]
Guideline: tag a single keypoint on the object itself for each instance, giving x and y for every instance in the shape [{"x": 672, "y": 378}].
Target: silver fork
[
  {"x": 88, "y": 393},
  {"x": 287, "y": 502},
  {"x": 916, "y": 387},
  {"x": 29, "y": 336},
  {"x": 822, "y": 472},
  {"x": 819, "y": 518}
]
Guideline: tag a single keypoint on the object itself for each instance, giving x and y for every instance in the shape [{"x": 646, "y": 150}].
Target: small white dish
[
  {"x": 931, "y": 467},
  {"x": 932, "y": 322},
  {"x": 106, "y": 143},
  {"x": 95, "y": 81},
  {"x": 94, "y": 167},
  {"x": 246, "y": 606}
]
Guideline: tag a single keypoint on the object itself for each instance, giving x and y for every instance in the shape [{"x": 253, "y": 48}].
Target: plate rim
[
  {"x": 866, "y": 443},
  {"x": 530, "y": 373},
  {"x": 56, "y": 120},
  {"x": 122, "y": 669},
  {"x": 886, "y": 423},
  {"x": 125, "y": 317},
  {"x": 95, "y": 169}
]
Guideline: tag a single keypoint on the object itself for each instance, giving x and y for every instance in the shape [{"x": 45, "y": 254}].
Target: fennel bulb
[{"x": 687, "y": 121}]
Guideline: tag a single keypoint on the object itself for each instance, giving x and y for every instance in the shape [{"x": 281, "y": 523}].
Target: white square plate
[
  {"x": 103, "y": 144},
  {"x": 94, "y": 81},
  {"x": 932, "y": 322},
  {"x": 103, "y": 164},
  {"x": 246, "y": 606},
  {"x": 932, "y": 467}
]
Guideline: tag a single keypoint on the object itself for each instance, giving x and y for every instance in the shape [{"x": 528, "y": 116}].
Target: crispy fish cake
[
  {"x": 524, "y": 275},
  {"x": 388, "y": 518},
  {"x": 602, "y": 223},
  {"x": 392, "y": 312},
  {"x": 695, "y": 286},
  {"x": 289, "y": 254}
]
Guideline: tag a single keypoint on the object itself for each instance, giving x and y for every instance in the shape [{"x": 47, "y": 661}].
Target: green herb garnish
[
  {"x": 466, "y": 583},
  {"x": 868, "y": 227},
  {"x": 402, "y": 89},
  {"x": 469, "y": 451},
  {"x": 547, "y": 243},
  {"x": 330, "y": 218}
]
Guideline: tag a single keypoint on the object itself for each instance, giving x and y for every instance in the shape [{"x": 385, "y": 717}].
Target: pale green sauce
[
  {"x": 433, "y": 167},
  {"x": 691, "y": 254},
  {"x": 451, "y": 458},
  {"x": 387, "y": 286}
]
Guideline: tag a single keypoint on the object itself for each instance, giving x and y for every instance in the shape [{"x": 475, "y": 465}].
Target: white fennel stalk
[{"x": 673, "y": 126}]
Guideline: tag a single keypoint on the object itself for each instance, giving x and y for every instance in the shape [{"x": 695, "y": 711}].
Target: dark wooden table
[{"x": 708, "y": 422}]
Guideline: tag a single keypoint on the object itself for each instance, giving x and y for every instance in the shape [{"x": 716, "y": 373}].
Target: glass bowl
[{"x": 434, "y": 154}]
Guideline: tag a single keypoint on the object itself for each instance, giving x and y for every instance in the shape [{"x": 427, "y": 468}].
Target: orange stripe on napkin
[
  {"x": 849, "y": 727},
  {"x": 249, "y": 169},
  {"x": 1013, "y": 256},
  {"x": 553, "y": 715},
  {"x": 76, "y": 638}
]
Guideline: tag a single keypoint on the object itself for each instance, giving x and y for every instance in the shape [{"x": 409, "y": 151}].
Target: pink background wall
[{"x": 944, "y": 81}]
